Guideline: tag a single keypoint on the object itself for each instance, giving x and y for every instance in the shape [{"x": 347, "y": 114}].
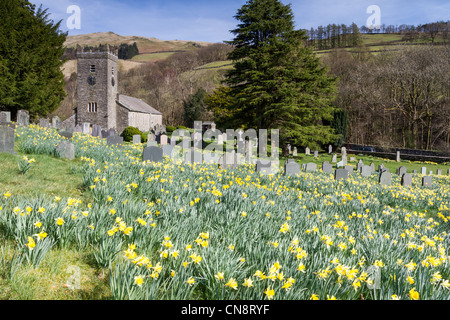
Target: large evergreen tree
[
  {"x": 277, "y": 81},
  {"x": 31, "y": 48}
]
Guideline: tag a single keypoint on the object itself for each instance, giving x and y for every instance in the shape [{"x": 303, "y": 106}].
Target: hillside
[{"x": 145, "y": 45}]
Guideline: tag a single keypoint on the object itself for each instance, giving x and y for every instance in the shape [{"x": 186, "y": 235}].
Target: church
[{"x": 98, "y": 100}]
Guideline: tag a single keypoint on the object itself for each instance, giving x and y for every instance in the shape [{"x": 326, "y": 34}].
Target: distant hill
[{"x": 145, "y": 45}]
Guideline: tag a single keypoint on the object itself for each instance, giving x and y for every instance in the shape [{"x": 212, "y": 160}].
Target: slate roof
[{"x": 136, "y": 105}]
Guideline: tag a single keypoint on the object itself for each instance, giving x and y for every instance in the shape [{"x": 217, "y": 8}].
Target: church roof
[{"x": 136, "y": 105}]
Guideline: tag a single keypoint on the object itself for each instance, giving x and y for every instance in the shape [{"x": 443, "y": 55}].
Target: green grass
[
  {"x": 152, "y": 56},
  {"x": 48, "y": 176}
]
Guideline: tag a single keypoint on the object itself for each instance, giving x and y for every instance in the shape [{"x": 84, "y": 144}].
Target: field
[{"x": 109, "y": 226}]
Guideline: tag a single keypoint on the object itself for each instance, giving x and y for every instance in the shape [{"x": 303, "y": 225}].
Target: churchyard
[{"x": 91, "y": 220}]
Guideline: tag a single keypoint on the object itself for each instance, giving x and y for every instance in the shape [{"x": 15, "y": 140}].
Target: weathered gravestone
[
  {"x": 359, "y": 165},
  {"x": 44, "y": 122},
  {"x": 316, "y": 154},
  {"x": 385, "y": 178},
  {"x": 5, "y": 117},
  {"x": 114, "y": 141},
  {"x": 211, "y": 158},
  {"x": 152, "y": 154},
  {"x": 152, "y": 143},
  {"x": 372, "y": 166},
  {"x": 23, "y": 118},
  {"x": 163, "y": 140},
  {"x": 344, "y": 155},
  {"x": 349, "y": 169},
  {"x": 311, "y": 167},
  {"x": 398, "y": 156},
  {"x": 96, "y": 131},
  {"x": 295, "y": 152},
  {"x": 340, "y": 164},
  {"x": 78, "y": 128},
  {"x": 228, "y": 161},
  {"x": 6, "y": 139},
  {"x": 104, "y": 134},
  {"x": 56, "y": 122},
  {"x": 439, "y": 172},
  {"x": 86, "y": 128},
  {"x": 264, "y": 166},
  {"x": 424, "y": 170},
  {"x": 167, "y": 150},
  {"x": 66, "y": 134},
  {"x": 366, "y": 171},
  {"x": 327, "y": 167},
  {"x": 291, "y": 168},
  {"x": 415, "y": 171},
  {"x": 220, "y": 139},
  {"x": 340, "y": 174},
  {"x": 330, "y": 149},
  {"x": 401, "y": 171},
  {"x": 406, "y": 180},
  {"x": 137, "y": 139},
  {"x": 427, "y": 182},
  {"x": 193, "y": 156},
  {"x": 307, "y": 151},
  {"x": 382, "y": 168},
  {"x": 65, "y": 150},
  {"x": 334, "y": 159}
]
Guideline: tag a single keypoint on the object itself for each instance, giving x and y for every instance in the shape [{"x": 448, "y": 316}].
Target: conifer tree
[
  {"x": 31, "y": 50},
  {"x": 277, "y": 81}
]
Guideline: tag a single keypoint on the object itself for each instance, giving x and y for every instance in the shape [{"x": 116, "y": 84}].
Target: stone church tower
[{"x": 97, "y": 89}]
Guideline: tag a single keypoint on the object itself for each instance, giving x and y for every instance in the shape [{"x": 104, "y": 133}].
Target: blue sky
[{"x": 211, "y": 20}]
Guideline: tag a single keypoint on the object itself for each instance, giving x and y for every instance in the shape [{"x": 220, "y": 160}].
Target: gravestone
[
  {"x": 341, "y": 174},
  {"x": 406, "y": 180},
  {"x": 211, "y": 158},
  {"x": 311, "y": 167},
  {"x": 112, "y": 133},
  {"x": 330, "y": 149},
  {"x": 359, "y": 165},
  {"x": 6, "y": 139},
  {"x": 372, "y": 167},
  {"x": 307, "y": 151},
  {"x": 66, "y": 134},
  {"x": 439, "y": 172},
  {"x": 316, "y": 154},
  {"x": 56, "y": 122},
  {"x": 23, "y": 118},
  {"x": 366, "y": 171},
  {"x": 152, "y": 143},
  {"x": 294, "y": 152},
  {"x": 415, "y": 171},
  {"x": 431, "y": 172},
  {"x": 327, "y": 167},
  {"x": 398, "y": 156},
  {"x": 78, "y": 128},
  {"x": 349, "y": 169},
  {"x": 137, "y": 139},
  {"x": 173, "y": 141},
  {"x": 340, "y": 164},
  {"x": 382, "y": 168},
  {"x": 44, "y": 122},
  {"x": 344, "y": 155},
  {"x": 304, "y": 166},
  {"x": 66, "y": 150},
  {"x": 352, "y": 159},
  {"x": 5, "y": 116},
  {"x": 152, "y": 154},
  {"x": 104, "y": 134},
  {"x": 334, "y": 159},
  {"x": 193, "y": 156},
  {"x": 427, "y": 182},
  {"x": 114, "y": 141},
  {"x": 264, "y": 166},
  {"x": 220, "y": 139},
  {"x": 424, "y": 170},
  {"x": 291, "y": 168},
  {"x": 385, "y": 178},
  {"x": 167, "y": 150},
  {"x": 86, "y": 128},
  {"x": 163, "y": 140},
  {"x": 229, "y": 160},
  {"x": 401, "y": 171},
  {"x": 289, "y": 148}
]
